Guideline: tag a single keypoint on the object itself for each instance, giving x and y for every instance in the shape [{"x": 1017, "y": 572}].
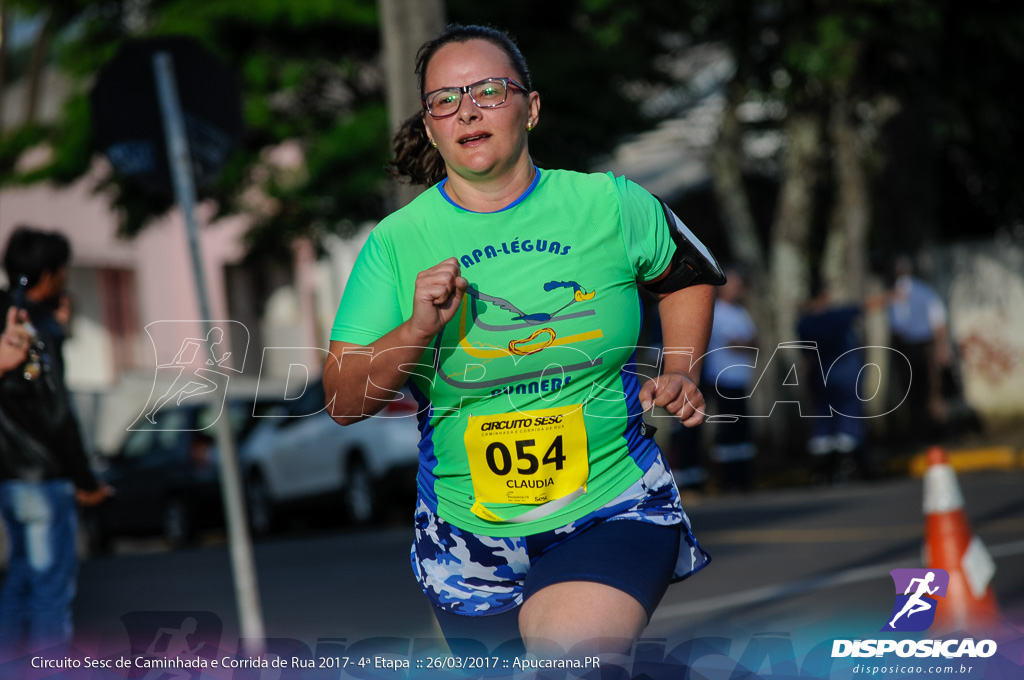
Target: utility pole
[{"x": 243, "y": 567}]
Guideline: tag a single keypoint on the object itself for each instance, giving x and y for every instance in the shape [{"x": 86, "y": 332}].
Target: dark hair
[
  {"x": 416, "y": 161},
  {"x": 457, "y": 33},
  {"x": 32, "y": 252}
]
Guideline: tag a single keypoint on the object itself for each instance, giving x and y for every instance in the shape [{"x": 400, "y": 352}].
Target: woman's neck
[{"x": 490, "y": 195}]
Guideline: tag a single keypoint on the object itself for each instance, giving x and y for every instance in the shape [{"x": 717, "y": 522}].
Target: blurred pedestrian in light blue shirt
[
  {"x": 729, "y": 373},
  {"x": 917, "y": 321}
]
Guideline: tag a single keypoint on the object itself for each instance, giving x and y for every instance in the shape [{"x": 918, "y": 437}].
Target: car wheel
[
  {"x": 360, "y": 495},
  {"x": 177, "y": 523},
  {"x": 262, "y": 515}
]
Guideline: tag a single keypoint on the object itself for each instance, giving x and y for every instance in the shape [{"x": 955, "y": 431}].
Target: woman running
[{"x": 507, "y": 296}]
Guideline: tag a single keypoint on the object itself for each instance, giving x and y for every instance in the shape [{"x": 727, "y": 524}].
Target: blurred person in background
[
  {"x": 42, "y": 457},
  {"x": 838, "y": 438},
  {"x": 919, "y": 330},
  {"x": 510, "y": 294},
  {"x": 728, "y": 375}
]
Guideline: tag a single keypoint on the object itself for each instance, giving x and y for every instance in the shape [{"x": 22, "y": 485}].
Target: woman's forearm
[
  {"x": 686, "y": 317},
  {"x": 359, "y": 380}
]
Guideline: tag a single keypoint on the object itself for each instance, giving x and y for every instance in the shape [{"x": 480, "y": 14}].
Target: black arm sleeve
[{"x": 692, "y": 264}]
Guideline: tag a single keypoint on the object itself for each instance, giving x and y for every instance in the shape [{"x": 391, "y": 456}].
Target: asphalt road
[
  {"x": 803, "y": 555},
  {"x": 805, "y": 561}
]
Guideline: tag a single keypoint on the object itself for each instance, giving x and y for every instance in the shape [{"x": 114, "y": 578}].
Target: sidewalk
[{"x": 997, "y": 449}]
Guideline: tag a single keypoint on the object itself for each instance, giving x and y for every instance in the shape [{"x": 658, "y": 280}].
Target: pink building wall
[{"x": 164, "y": 289}]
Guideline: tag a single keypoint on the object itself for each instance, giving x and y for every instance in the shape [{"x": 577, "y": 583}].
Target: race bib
[{"x": 527, "y": 457}]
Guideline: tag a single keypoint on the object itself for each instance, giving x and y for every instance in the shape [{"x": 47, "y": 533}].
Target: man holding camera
[{"x": 44, "y": 468}]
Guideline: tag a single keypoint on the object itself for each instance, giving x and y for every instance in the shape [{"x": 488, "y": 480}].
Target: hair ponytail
[{"x": 416, "y": 160}]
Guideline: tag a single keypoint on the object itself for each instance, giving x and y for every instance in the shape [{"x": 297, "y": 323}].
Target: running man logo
[
  {"x": 172, "y": 645},
  {"x": 916, "y": 590},
  {"x": 191, "y": 364}
]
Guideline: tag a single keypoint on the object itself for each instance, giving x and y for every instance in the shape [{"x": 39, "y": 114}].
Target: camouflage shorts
[{"x": 467, "y": 573}]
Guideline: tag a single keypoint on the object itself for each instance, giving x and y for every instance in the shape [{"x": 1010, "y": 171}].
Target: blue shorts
[{"x": 474, "y": 575}]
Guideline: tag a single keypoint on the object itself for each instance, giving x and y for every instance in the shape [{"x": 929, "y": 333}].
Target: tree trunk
[
  {"x": 36, "y": 69},
  {"x": 744, "y": 239},
  {"x": 5, "y": 18},
  {"x": 792, "y": 224},
  {"x": 731, "y": 196},
  {"x": 844, "y": 263},
  {"x": 727, "y": 180},
  {"x": 404, "y": 26}
]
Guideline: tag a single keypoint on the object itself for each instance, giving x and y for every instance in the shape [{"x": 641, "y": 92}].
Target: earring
[
  {"x": 433, "y": 143},
  {"x": 529, "y": 126}
]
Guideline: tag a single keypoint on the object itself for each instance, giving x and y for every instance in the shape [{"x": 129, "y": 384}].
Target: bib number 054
[
  {"x": 527, "y": 458},
  {"x": 499, "y": 458}
]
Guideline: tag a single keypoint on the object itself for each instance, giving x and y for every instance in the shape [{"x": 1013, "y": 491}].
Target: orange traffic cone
[{"x": 951, "y": 545}]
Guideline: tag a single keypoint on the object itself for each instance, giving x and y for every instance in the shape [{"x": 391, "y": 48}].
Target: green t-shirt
[{"x": 551, "y": 320}]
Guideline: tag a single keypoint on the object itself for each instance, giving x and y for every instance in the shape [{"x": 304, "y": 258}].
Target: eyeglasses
[{"x": 486, "y": 94}]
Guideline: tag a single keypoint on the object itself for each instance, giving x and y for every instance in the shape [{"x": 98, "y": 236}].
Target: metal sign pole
[{"x": 246, "y": 589}]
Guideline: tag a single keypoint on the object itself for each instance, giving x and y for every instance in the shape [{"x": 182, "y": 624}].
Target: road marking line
[
  {"x": 849, "y": 535},
  {"x": 1006, "y": 549},
  {"x": 780, "y": 591},
  {"x": 774, "y": 536}
]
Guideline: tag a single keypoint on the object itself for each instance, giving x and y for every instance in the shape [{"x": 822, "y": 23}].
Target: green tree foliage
[
  {"x": 945, "y": 70},
  {"x": 584, "y": 56},
  {"x": 309, "y": 74}
]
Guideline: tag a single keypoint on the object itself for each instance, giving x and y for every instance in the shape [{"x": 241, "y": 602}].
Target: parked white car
[{"x": 292, "y": 460}]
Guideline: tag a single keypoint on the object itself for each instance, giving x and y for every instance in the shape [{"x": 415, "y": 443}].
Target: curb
[{"x": 972, "y": 460}]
